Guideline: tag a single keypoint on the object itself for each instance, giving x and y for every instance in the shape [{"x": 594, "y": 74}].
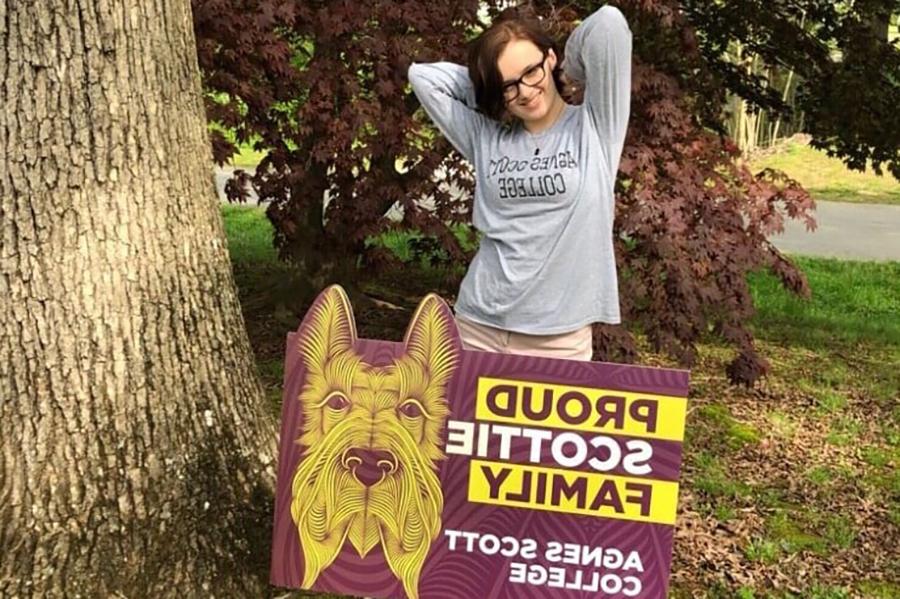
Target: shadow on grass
[{"x": 852, "y": 302}]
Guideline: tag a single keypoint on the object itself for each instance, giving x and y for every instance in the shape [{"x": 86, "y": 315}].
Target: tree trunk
[
  {"x": 136, "y": 458},
  {"x": 880, "y": 24}
]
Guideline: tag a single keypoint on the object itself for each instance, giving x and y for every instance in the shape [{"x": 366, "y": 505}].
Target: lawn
[
  {"x": 247, "y": 157},
  {"x": 790, "y": 489},
  {"x": 852, "y": 302},
  {"x": 828, "y": 178}
]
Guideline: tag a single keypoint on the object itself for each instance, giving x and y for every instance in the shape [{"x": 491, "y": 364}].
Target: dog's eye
[
  {"x": 410, "y": 408},
  {"x": 337, "y": 401}
]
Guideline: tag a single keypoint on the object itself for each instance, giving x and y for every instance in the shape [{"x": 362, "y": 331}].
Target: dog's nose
[{"x": 369, "y": 466}]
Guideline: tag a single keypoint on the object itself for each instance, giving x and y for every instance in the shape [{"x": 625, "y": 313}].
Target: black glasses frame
[{"x": 521, "y": 80}]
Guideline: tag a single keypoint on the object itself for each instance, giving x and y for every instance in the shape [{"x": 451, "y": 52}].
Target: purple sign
[{"x": 419, "y": 469}]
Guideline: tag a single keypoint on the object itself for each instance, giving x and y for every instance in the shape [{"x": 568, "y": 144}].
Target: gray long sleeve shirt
[{"x": 543, "y": 202}]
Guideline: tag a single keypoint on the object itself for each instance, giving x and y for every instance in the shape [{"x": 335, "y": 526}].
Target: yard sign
[{"x": 419, "y": 469}]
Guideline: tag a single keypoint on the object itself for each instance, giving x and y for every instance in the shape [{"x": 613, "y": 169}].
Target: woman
[{"x": 545, "y": 170}]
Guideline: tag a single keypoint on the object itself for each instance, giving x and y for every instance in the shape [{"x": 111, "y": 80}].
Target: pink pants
[{"x": 576, "y": 345}]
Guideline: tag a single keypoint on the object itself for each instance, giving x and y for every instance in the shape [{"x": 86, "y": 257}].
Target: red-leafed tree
[{"x": 323, "y": 87}]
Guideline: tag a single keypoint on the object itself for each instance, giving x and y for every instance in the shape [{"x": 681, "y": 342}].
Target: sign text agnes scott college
[{"x": 419, "y": 469}]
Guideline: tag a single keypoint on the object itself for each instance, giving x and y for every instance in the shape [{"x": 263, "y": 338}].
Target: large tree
[{"x": 135, "y": 456}]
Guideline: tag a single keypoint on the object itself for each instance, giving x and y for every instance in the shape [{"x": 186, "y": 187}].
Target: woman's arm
[
  {"x": 446, "y": 93},
  {"x": 598, "y": 53}
]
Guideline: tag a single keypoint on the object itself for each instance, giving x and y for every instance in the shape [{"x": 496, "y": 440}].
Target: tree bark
[{"x": 136, "y": 457}]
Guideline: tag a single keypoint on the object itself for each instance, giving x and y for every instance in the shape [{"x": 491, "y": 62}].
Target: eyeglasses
[{"x": 532, "y": 78}]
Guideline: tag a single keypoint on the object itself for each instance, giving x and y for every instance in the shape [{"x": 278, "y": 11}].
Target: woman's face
[{"x": 522, "y": 60}]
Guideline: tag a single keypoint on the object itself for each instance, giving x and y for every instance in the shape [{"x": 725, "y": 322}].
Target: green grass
[
  {"x": 745, "y": 593},
  {"x": 790, "y": 533},
  {"x": 769, "y": 497},
  {"x": 247, "y": 157},
  {"x": 879, "y": 589},
  {"x": 851, "y": 302},
  {"x": 726, "y": 428},
  {"x": 821, "y": 475},
  {"x": 839, "y": 531},
  {"x": 763, "y": 550},
  {"x": 886, "y": 482},
  {"x": 781, "y": 424},
  {"x": 249, "y": 235},
  {"x": 844, "y": 431},
  {"x": 829, "y": 179},
  {"x": 828, "y": 387},
  {"x": 830, "y": 401},
  {"x": 875, "y": 456},
  {"x": 713, "y": 480},
  {"x": 792, "y": 529},
  {"x": 882, "y": 475},
  {"x": 876, "y": 590},
  {"x": 724, "y": 513},
  {"x": 828, "y": 592}
]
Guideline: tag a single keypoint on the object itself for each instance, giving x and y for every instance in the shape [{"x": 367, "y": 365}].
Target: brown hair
[{"x": 512, "y": 23}]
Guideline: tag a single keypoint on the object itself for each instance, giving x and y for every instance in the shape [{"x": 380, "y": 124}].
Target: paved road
[
  {"x": 852, "y": 231},
  {"x": 857, "y": 231},
  {"x": 223, "y": 174}
]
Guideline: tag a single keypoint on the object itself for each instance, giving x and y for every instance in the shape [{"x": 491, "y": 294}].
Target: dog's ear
[
  {"x": 328, "y": 329},
  {"x": 432, "y": 339}
]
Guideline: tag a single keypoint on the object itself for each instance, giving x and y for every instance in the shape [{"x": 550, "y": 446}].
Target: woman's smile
[{"x": 534, "y": 102}]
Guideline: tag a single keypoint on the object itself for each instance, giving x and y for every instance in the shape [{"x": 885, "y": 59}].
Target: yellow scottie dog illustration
[{"x": 372, "y": 438}]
